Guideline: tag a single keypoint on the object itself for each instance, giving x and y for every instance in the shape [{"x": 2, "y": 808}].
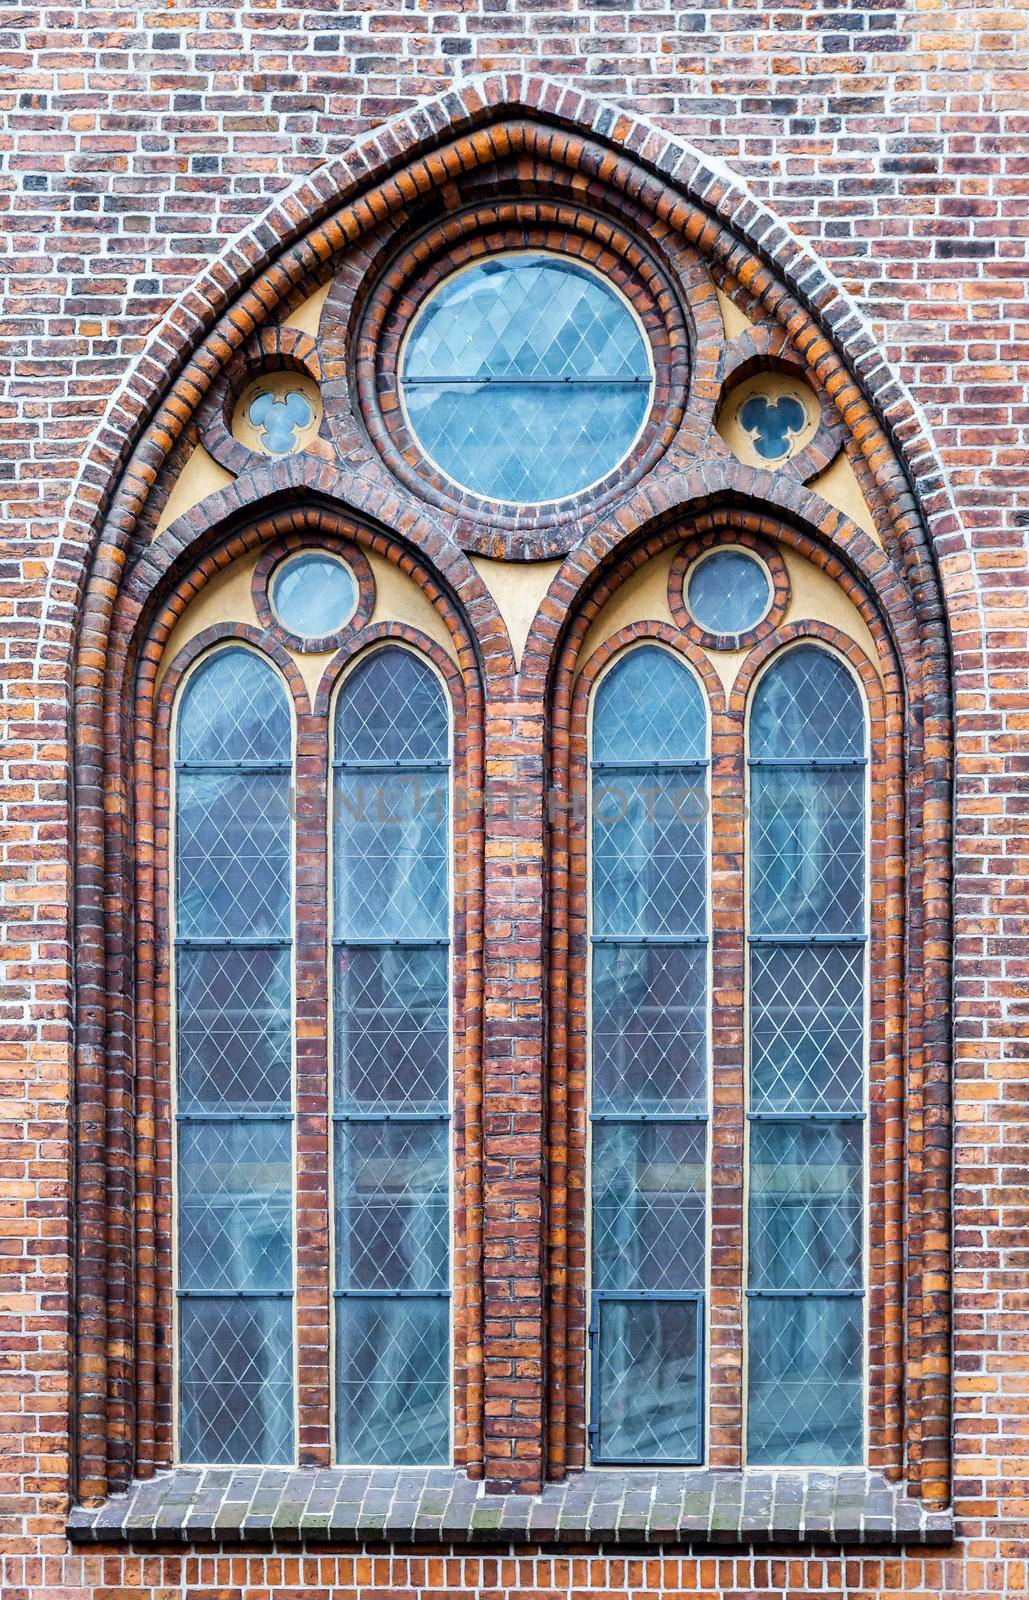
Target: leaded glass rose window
[{"x": 526, "y": 378}]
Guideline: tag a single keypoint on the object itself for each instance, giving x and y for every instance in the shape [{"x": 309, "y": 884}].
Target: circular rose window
[
  {"x": 313, "y": 595},
  {"x": 526, "y": 378},
  {"x": 729, "y": 592}
]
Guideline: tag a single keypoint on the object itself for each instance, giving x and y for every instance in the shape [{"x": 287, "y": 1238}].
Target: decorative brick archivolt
[{"x": 509, "y": 142}]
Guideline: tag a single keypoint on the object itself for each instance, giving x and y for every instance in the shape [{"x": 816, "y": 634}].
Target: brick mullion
[
  {"x": 313, "y": 1064},
  {"x": 513, "y": 1148},
  {"x": 727, "y": 1127}
]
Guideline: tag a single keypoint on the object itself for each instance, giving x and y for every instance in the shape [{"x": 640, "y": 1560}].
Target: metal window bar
[{"x": 517, "y": 378}]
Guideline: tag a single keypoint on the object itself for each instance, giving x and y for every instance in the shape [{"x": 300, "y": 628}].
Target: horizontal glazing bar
[
  {"x": 805, "y": 1294},
  {"x": 667, "y": 765},
  {"x": 234, "y": 1294},
  {"x": 443, "y": 383},
  {"x": 822, "y": 763},
  {"x": 399, "y": 764},
  {"x": 390, "y": 944},
  {"x": 803, "y": 939},
  {"x": 805, "y": 1116},
  {"x": 691, "y": 1117},
  {"x": 391, "y": 1294},
  {"x": 648, "y": 1294},
  {"x": 233, "y": 766},
  {"x": 239, "y": 942},
  {"x": 391, "y": 1116},
  {"x": 645, "y": 939},
  {"x": 234, "y": 1116}
]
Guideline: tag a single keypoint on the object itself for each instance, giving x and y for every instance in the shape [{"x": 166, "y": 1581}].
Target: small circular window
[
  {"x": 526, "y": 378},
  {"x": 313, "y": 595},
  {"x": 729, "y": 592}
]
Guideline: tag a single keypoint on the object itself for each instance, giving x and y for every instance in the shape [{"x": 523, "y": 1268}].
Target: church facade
[{"x": 515, "y": 650}]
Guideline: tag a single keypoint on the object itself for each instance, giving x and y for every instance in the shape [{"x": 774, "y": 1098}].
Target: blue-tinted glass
[
  {"x": 649, "y": 842},
  {"x": 648, "y": 1379},
  {"x": 514, "y": 354},
  {"x": 235, "y": 1205},
  {"x": 393, "y": 1197},
  {"x": 236, "y": 1381},
  {"x": 807, "y": 850},
  {"x": 391, "y": 708},
  {"x": 313, "y": 594},
  {"x": 649, "y": 1028},
  {"x": 279, "y": 418},
  {"x": 729, "y": 592},
  {"x": 649, "y": 707},
  {"x": 233, "y": 854},
  {"x": 234, "y": 708},
  {"x": 804, "y": 1401},
  {"x": 648, "y": 1205},
  {"x": 807, "y": 705},
  {"x": 234, "y": 1031},
  {"x": 805, "y": 1205},
  {"x": 392, "y": 1381},
  {"x": 773, "y": 423},
  {"x": 807, "y": 1027},
  {"x": 392, "y": 1044},
  {"x": 391, "y": 854}
]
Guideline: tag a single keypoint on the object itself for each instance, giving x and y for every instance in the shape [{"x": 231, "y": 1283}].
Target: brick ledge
[{"x": 437, "y": 1506}]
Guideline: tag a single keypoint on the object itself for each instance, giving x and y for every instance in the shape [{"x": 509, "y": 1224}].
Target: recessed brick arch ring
[
  {"x": 292, "y": 247},
  {"x": 152, "y": 600},
  {"x": 551, "y": 658}
]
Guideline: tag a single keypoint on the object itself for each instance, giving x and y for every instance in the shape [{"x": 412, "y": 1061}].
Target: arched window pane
[
  {"x": 233, "y": 1058},
  {"x": 807, "y": 1047},
  {"x": 649, "y": 1060},
  {"x": 391, "y": 1081}
]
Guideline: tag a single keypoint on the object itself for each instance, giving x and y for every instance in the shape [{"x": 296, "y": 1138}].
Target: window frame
[{"x": 885, "y": 1220}]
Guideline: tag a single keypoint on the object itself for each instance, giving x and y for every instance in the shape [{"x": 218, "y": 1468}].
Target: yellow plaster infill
[
  {"x": 734, "y": 321},
  {"x": 200, "y": 476},
  {"x": 839, "y": 485},
  {"x": 773, "y": 385},
  {"x": 229, "y": 598},
  {"x": 518, "y": 587},
  {"x": 642, "y": 598},
  {"x": 397, "y": 599},
  {"x": 308, "y": 313},
  {"x": 814, "y": 598}
]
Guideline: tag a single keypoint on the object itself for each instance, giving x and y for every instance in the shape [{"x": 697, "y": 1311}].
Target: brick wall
[{"x": 134, "y": 146}]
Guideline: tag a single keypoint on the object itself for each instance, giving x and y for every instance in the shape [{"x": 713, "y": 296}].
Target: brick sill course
[{"x": 438, "y": 1506}]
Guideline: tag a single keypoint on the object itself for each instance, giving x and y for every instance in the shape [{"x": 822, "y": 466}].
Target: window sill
[{"x": 440, "y": 1507}]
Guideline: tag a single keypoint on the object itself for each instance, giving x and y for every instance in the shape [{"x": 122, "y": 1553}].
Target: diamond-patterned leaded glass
[
  {"x": 648, "y": 1057},
  {"x": 391, "y": 709},
  {"x": 807, "y": 1027},
  {"x": 807, "y": 1046},
  {"x": 236, "y": 1381},
  {"x": 804, "y": 1399},
  {"x": 649, "y": 1380},
  {"x": 234, "y": 1266},
  {"x": 649, "y": 1028},
  {"x": 526, "y": 378},
  {"x": 807, "y": 706},
  {"x": 392, "y": 1380},
  {"x": 393, "y": 1216},
  {"x": 805, "y": 1205},
  {"x": 233, "y": 709},
  {"x": 729, "y": 592},
  {"x": 392, "y": 1039},
  {"x": 649, "y": 707},
  {"x": 391, "y": 1172},
  {"x": 648, "y": 1205}
]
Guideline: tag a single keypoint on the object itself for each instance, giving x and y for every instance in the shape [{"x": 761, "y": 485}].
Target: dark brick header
[{"x": 436, "y": 1505}]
